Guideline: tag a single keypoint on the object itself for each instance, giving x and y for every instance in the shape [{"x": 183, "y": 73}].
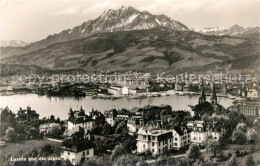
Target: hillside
[{"x": 158, "y": 49}]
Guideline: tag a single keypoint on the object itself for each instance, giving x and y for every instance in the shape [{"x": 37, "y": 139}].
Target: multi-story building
[
  {"x": 155, "y": 141},
  {"x": 115, "y": 90},
  {"x": 199, "y": 133},
  {"x": 79, "y": 118},
  {"x": 111, "y": 116},
  {"x": 216, "y": 132},
  {"x": 159, "y": 140},
  {"x": 134, "y": 123},
  {"x": 27, "y": 116},
  {"x": 249, "y": 108},
  {"x": 182, "y": 137},
  {"x": 77, "y": 150}
]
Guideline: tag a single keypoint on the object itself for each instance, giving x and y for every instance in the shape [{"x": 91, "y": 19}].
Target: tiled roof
[{"x": 77, "y": 145}]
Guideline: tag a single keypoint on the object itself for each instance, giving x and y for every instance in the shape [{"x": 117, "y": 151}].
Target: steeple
[
  {"x": 213, "y": 96},
  {"x": 202, "y": 98},
  {"x": 71, "y": 113}
]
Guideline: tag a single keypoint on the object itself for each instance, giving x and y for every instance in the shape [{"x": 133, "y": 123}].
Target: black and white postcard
[{"x": 129, "y": 82}]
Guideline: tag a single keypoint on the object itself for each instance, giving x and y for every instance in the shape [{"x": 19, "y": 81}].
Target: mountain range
[
  {"x": 13, "y": 43},
  {"x": 128, "y": 39},
  {"x": 235, "y": 30}
]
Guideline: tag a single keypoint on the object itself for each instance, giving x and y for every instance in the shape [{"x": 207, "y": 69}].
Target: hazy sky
[{"x": 32, "y": 20}]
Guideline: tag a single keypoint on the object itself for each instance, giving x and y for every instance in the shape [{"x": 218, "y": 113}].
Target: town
[{"x": 202, "y": 134}]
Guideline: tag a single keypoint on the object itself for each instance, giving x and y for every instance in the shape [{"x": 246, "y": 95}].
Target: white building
[
  {"x": 110, "y": 116},
  {"x": 155, "y": 141},
  {"x": 134, "y": 124},
  {"x": 115, "y": 90},
  {"x": 46, "y": 128},
  {"x": 122, "y": 117},
  {"x": 182, "y": 137},
  {"x": 216, "y": 132},
  {"x": 158, "y": 141},
  {"x": 125, "y": 90},
  {"x": 199, "y": 134},
  {"x": 79, "y": 118},
  {"x": 77, "y": 151},
  {"x": 252, "y": 93}
]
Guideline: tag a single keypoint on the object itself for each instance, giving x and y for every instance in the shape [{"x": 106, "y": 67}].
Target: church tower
[
  {"x": 213, "y": 96},
  {"x": 202, "y": 98},
  {"x": 71, "y": 113}
]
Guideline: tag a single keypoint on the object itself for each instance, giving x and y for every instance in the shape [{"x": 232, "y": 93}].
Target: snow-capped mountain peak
[
  {"x": 235, "y": 30},
  {"x": 122, "y": 19},
  {"x": 13, "y": 43}
]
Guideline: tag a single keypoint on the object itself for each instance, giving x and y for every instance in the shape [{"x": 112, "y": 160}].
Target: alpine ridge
[
  {"x": 123, "y": 19},
  {"x": 235, "y": 30}
]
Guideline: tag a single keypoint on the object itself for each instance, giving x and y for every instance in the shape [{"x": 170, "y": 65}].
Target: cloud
[{"x": 68, "y": 11}]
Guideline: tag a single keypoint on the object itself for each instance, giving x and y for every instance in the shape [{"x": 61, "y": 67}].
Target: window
[
  {"x": 175, "y": 144},
  {"x": 159, "y": 144},
  {"x": 176, "y": 139},
  {"x": 144, "y": 137},
  {"x": 152, "y": 150},
  {"x": 144, "y": 146},
  {"x": 159, "y": 150},
  {"x": 84, "y": 154},
  {"x": 68, "y": 153},
  {"x": 87, "y": 152},
  {"x": 153, "y": 144}
]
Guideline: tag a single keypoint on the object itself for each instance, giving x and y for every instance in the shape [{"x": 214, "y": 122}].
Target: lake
[{"x": 59, "y": 106}]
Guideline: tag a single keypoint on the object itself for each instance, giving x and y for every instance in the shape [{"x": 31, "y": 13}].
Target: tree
[
  {"x": 121, "y": 128},
  {"x": 110, "y": 143},
  {"x": 46, "y": 150},
  {"x": 193, "y": 152},
  {"x": 52, "y": 118},
  {"x": 99, "y": 148},
  {"x": 130, "y": 144},
  {"x": 34, "y": 153},
  {"x": 232, "y": 161},
  {"x": 88, "y": 162},
  {"x": 239, "y": 137},
  {"x": 252, "y": 135},
  {"x": 3, "y": 127},
  {"x": 241, "y": 126},
  {"x": 249, "y": 160},
  {"x": 55, "y": 131},
  {"x": 106, "y": 129},
  {"x": 33, "y": 132},
  {"x": 58, "y": 120},
  {"x": 10, "y": 134},
  {"x": 119, "y": 150},
  {"x": 213, "y": 146}
]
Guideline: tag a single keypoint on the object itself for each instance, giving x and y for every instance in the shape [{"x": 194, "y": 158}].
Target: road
[{"x": 181, "y": 155}]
